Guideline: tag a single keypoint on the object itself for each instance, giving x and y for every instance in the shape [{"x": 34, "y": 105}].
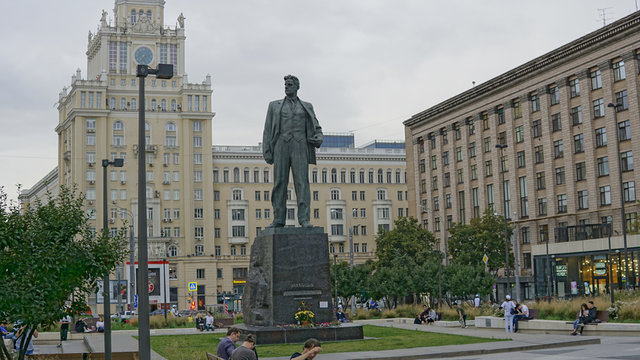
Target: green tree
[
  {"x": 465, "y": 280},
  {"x": 405, "y": 255},
  {"x": 50, "y": 260},
  {"x": 469, "y": 243}
]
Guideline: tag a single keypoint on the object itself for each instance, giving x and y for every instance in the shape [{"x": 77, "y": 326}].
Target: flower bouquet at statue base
[{"x": 304, "y": 315}]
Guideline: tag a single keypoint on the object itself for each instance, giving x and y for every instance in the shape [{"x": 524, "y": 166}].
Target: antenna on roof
[{"x": 603, "y": 15}]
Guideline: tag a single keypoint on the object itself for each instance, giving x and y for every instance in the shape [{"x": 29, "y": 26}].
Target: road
[{"x": 612, "y": 348}]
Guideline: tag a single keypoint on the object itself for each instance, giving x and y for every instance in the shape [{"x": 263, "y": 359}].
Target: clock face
[{"x": 144, "y": 55}]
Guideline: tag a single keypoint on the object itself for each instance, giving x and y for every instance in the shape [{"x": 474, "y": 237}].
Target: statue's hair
[{"x": 293, "y": 78}]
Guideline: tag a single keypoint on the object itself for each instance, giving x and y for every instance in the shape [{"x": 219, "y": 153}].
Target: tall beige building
[
  {"x": 205, "y": 203},
  {"x": 567, "y": 166},
  {"x": 99, "y": 120}
]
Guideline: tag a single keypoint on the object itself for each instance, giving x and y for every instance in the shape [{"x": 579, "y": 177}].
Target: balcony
[{"x": 581, "y": 232}]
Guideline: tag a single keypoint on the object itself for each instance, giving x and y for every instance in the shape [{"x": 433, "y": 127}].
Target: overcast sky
[{"x": 366, "y": 65}]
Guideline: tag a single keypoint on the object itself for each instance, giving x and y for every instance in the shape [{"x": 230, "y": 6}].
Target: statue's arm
[
  {"x": 267, "y": 136},
  {"x": 316, "y": 139}
]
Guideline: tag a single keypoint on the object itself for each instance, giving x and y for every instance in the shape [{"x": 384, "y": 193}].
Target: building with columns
[
  {"x": 567, "y": 166},
  {"x": 205, "y": 203}
]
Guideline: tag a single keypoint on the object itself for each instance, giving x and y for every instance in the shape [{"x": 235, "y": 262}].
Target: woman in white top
[{"x": 507, "y": 305}]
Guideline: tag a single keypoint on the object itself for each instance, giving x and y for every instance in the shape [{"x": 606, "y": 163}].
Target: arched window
[
  {"x": 118, "y": 125},
  {"x": 352, "y": 176},
  {"x": 225, "y": 175},
  {"x": 256, "y": 175},
  {"x": 147, "y": 133},
  {"x": 123, "y": 104},
  {"x": 398, "y": 177},
  {"x": 246, "y": 176},
  {"x": 173, "y": 105},
  {"x": 266, "y": 177},
  {"x": 134, "y": 16},
  {"x": 163, "y": 104},
  {"x": 314, "y": 176},
  {"x": 343, "y": 176},
  {"x": 154, "y": 104},
  {"x": 140, "y": 14},
  {"x": 134, "y": 104},
  {"x": 149, "y": 14},
  {"x": 112, "y": 103},
  {"x": 334, "y": 175},
  {"x": 172, "y": 251},
  {"x": 171, "y": 126},
  {"x": 324, "y": 176},
  {"x": 388, "y": 176},
  {"x": 236, "y": 175},
  {"x": 380, "y": 176}
]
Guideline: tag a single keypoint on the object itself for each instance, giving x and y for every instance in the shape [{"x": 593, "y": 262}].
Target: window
[
  {"x": 216, "y": 195},
  {"x": 199, "y": 250},
  {"x": 526, "y": 239},
  {"x": 583, "y": 200},
  {"x": 539, "y": 154},
  {"x": 236, "y": 194},
  {"x": 335, "y": 194},
  {"x": 554, "y": 95},
  {"x": 622, "y": 102},
  {"x": 619, "y": 71},
  {"x": 574, "y": 86},
  {"x": 603, "y": 166},
  {"x": 601, "y": 137},
  {"x": 624, "y": 130},
  {"x": 383, "y": 213},
  {"x": 362, "y": 195},
  {"x": 474, "y": 172},
  {"x": 558, "y": 150},
  {"x": 598, "y": 108},
  {"x": 519, "y": 134},
  {"x": 363, "y": 214},
  {"x": 578, "y": 143},
  {"x": 562, "y": 203},
  {"x": 445, "y": 158},
  {"x": 472, "y": 150},
  {"x": 459, "y": 153},
  {"x": 490, "y": 200},
  {"x": 434, "y": 162},
  {"x": 238, "y": 231},
  {"x": 197, "y": 194},
  {"x": 540, "y": 181},
  {"x": 216, "y": 213},
  {"x": 556, "y": 122},
  {"x": 517, "y": 110},
  {"x": 459, "y": 175},
  {"x": 267, "y": 213},
  {"x": 436, "y": 224},
  {"x": 434, "y": 183},
  {"x": 487, "y": 144},
  {"x": 581, "y": 171},
  {"x": 542, "y": 207},
  {"x": 629, "y": 189},
  {"x": 382, "y": 194},
  {"x": 337, "y": 229},
  {"x": 535, "y": 103},
  {"x": 237, "y": 214},
  {"x": 487, "y": 168},
  {"x": 447, "y": 179},
  {"x": 626, "y": 159},
  {"x": 316, "y": 195},
  {"x": 436, "y": 203},
  {"x": 537, "y": 128},
  {"x": 560, "y": 180},
  {"x": 596, "y": 79},
  {"x": 447, "y": 201},
  {"x": 520, "y": 159},
  {"x": 336, "y": 214},
  {"x": 91, "y": 140},
  {"x": 605, "y": 195},
  {"x": 576, "y": 115},
  {"x": 445, "y": 138},
  {"x": 198, "y": 213}
]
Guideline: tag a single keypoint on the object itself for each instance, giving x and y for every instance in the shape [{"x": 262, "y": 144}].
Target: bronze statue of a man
[{"x": 291, "y": 134}]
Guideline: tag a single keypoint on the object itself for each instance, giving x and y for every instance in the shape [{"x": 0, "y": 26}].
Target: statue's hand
[
  {"x": 269, "y": 159},
  {"x": 316, "y": 141}
]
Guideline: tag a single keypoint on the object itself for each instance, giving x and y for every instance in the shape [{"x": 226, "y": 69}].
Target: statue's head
[{"x": 291, "y": 85}]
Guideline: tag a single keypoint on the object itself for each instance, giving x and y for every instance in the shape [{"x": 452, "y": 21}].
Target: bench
[
  {"x": 603, "y": 316},
  {"x": 210, "y": 356}
]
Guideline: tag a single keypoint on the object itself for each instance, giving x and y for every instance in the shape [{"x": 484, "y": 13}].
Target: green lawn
[{"x": 183, "y": 347}]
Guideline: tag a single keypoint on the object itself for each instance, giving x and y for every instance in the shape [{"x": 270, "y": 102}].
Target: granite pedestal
[{"x": 289, "y": 266}]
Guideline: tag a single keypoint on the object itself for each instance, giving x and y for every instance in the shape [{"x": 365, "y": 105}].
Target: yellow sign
[
  {"x": 485, "y": 258},
  {"x": 239, "y": 281}
]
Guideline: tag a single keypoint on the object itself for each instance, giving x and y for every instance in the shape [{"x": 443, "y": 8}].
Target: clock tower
[{"x": 98, "y": 120}]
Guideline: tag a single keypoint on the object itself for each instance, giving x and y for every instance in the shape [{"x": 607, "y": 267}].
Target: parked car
[
  {"x": 160, "y": 312},
  {"x": 125, "y": 315}
]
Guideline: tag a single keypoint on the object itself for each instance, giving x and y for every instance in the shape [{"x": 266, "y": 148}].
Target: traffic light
[{"x": 193, "y": 304}]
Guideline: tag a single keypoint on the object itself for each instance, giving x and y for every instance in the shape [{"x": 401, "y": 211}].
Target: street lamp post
[
  {"x": 506, "y": 225},
  {"x": 353, "y": 297},
  {"x": 335, "y": 280},
  {"x": 608, "y": 227},
  {"x": 516, "y": 265},
  {"x": 106, "y": 288},
  {"x": 622, "y": 212},
  {"x": 544, "y": 233},
  {"x": 164, "y": 71},
  {"x": 132, "y": 252}
]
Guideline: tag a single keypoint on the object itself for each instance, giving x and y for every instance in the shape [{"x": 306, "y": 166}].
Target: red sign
[{"x": 151, "y": 287}]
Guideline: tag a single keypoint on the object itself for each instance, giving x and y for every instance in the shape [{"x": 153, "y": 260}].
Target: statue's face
[{"x": 290, "y": 88}]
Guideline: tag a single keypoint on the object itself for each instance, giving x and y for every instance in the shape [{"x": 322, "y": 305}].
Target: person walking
[{"x": 509, "y": 310}]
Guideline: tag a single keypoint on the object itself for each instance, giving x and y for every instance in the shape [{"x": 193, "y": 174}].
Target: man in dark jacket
[{"x": 593, "y": 315}]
